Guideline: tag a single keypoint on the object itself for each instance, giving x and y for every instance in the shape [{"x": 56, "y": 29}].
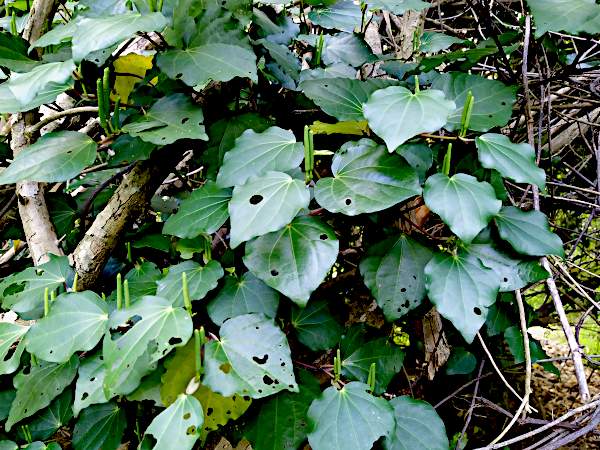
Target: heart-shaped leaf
[
  {"x": 366, "y": 179},
  {"x": 265, "y": 204},
  {"x": 255, "y": 154},
  {"x": 201, "y": 280},
  {"x": 315, "y": 326},
  {"x": 294, "y": 260},
  {"x": 348, "y": 418},
  {"x": 100, "y": 426},
  {"x": 51, "y": 419},
  {"x": 251, "y": 357},
  {"x": 396, "y": 114},
  {"x": 179, "y": 425},
  {"x": 10, "y": 334},
  {"x": 464, "y": 204}
]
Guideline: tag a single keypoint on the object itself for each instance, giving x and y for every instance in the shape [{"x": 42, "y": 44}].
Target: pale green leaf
[
  {"x": 399, "y": 7},
  {"x": 201, "y": 280},
  {"x": 572, "y": 16},
  {"x": 346, "y": 48},
  {"x": 26, "y": 86},
  {"x": 10, "y": 334},
  {"x": 433, "y": 42},
  {"x": 419, "y": 156},
  {"x": 178, "y": 426},
  {"x": 344, "y": 15},
  {"x": 11, "y": 104}
]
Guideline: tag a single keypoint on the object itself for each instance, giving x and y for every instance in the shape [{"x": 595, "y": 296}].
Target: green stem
[
  {"x": 52, "y": 295},
  {"x": 127, "y": 297},
  {"x": 186, "y": 293},
  {"x": 129, "y": 257},
  {"x": 199, "y": 337},
  {"x": 307, "y": 168},
  {"x": 337, "y": 366},
  {"x": 101, "y": 107},
  {"x": 119, "y": 291}
]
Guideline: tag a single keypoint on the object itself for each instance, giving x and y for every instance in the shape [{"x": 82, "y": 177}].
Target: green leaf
[
  {"x": 76, "y": 322},
  {"x": 13, "y": 53},
  {"x": 576, "y": 16},
  {"x": 285, "y": 65},
  {"x": 294, "y": 260},
  {"x": 10, "y": 333},
  {"x": 179, "y": 425},
  {"x": 315, "y": 326},
  {"x": 48, "y": 421},
  {"x": 100, "y": 427},
  {"x": 204, "y": 211},
  {"x": 343, "y": 15},
  {"x": 338, "y": 70},
  {"x": 342, "y": 98},
  {"x": 6, "y": 399},
  {"x": 528, "y": 232},
  {"x": 37, "y": 388},
  {"x": 497, "y": 319},
  {"x": 461, "y": 361},
  {"x": 433, "y": 42},
  {"x": 388, "y": 359},
  {"x": 419, "y": 156},
  {"x": 474, "y": 288},
  {"x": 399, "y": 6},
  {"x": 349, "y": 418},
  {"x": 281, "y": 423},
  {"x": 514, "y": 339},
  {"x": 142, "y": 280},
  {"x": 241, "y": 296},
  {"x": 149, "y": 388},
  {"x": 130, "y": 149},
  {"x": 514, "y": 161},
  {"x": 162, "y": 325},
  {"x": 255, "y": 154},
  {"x": 99, "y": 8},
  {"x": 11, "y": 104},
  {"x": 398, "y": 280},
  {"x": 211, "y": 62},
  {"x": 170, "y": 119},
  {"x": 56, "y": 156},
  {"x": 366, "y": 179},
  {"x": 26, "y": 86},
  {"x": 464, "y": 204},
  {"x": 265, "y": 203},
  {"x": 8, "y": 445},
  {"x": 418, "y": 427},
  {"x": 346, "y": 48},
  {"x": 91, "y": 34},
  {"x": 421, "y": 112},
  {"x": 201, "y": 280},
  {"x": 493, "y": 101},
  {"x": 252, "y": 358}
]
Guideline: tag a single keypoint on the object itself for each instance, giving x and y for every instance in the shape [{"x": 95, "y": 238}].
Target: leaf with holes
[
  {"x": 464, "y": 204},
  {"x": 576, "y": 16},
  {"x": 366, "y": 179},
  {"x": 37, "y": 388},
  {"x": 27, "y": 86},
  {"x": 211, "y": 62},
  {"x": 528, "y": 232},
  {"x": 170, "y": 119},
  {"x": 343, "y": 16},
  {"x": 474, "y": 288},
  {"x": 57, "y": 156},
  {"x": 204, "y": 211},
  {"x": 294, "y": 260},
  {"x": 252, "y": 358},
  {"x": 492, "y": 105},
  {"x": 396, "y": 114},
  {"x": 315, "y": 326},
  {"x": 255, "y": 154},
  {"x": 178, "y": 426},
  {"x": 100, "y": 427},
  {"x": 10, "y": 334},
  {"x": 264, "y": 204},
  {"x": 51, "y": 419},
  {"x": 201, "y": 280},
  {"x": 399, "y": 6},
  {"x": 349, "y": 418},
  {"x": 418, "y": 426},
  {"x": 76, "y": 322},
  {"x": 241, "y": 296}
]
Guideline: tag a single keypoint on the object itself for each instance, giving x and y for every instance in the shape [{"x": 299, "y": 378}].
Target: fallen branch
[{"x": 59, "y": 115}]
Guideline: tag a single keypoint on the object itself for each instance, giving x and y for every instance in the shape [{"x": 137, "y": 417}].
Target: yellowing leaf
[
  {"x": 133, "y": 64},
  {"x": 352, "y": 127}
]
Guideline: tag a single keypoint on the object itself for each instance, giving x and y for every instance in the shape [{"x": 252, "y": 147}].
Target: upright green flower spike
[
  {"x": 337, "y": 366},
  {"x": 466, "y": 115},
  {"x": 101, "y": 106},
  {"x": 75, "y": 280},
  {"x": 309, "y": 153},
  {"x": 186, "y": 293},
  {"x": 119, "y": 292},
  {"x": 46, "y": 302},
  {"x": 371, "y": 378},
  {"x": 126, "y": 290},
  {"x": 319, "y": 50},
  {"x": 52, "y": 295},
  {"x": 13, "y": 24},
  {"x": 199, "y": 338}
]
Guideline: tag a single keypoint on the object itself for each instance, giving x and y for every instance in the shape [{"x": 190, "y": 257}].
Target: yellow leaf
[
  {"x": 355, "y": 127},
  {"x": 133, "y": 64}
]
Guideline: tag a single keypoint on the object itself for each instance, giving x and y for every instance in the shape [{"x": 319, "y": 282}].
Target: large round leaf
[
  {"x": 100, "y": 427},
  {"x": 251, "y": 357},
  {"x": 265, "y": 204},
  {"x": 201, "y": 280},
  {"x": 473, "y": 289},
  {"x": 255, "y": 154},
  {"x": 241, "y": 296},
  {"x": 57, "y": 156},
  {"x": 366, "y": 179},
  {"x": 294, "y": 260},
  {"x": 10, "y": 334},
  {"x": 178, "y": 426},
  {"x": 76, "y": 322},
  {"x": 464, "y": 204},
  {"x": 349, "y": 418},
  {"x": 396, "y": 114}
]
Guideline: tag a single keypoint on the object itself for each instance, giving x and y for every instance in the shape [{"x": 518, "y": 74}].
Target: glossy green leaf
[
  {"x": 464, "y": 204},
  {"x": 76, "y": 322},
  {"x": 388, "y": 359},
  {"x": 100, "y": 427},
  {"x": 399, "y": 6},
  {"x": 421, "y": 112},
  {"x": 251, "y": 357},
  {"x": 285, "y": 65},
  {"x": 343, "y": 16},
  {"x": 201, "y": 280},
  {"x": 493, "y": 101},
  {"x": 576, "y": 16},
  {"x": 241, "y": 296},
  {"x": 211, "y": 62},
  {"x": 366, "y": 179},
  {"x": 419, "y": 156},
  {"x": 142, "y": 280},
  {"x": 26, "y": 86},
  {"x": 418, "y": 427},
  {"x": 10, "y": 334},
  {"x": 204, "y": 211},
  {"x": 264, "y": 204},
  {"x": 315, "y": 326},
  {"x": 13, "y": 53},
  {"x": 294, "y": 260},
  {"x": 433, "y": 42},
  {"x": 57, "y": 156},
  {"x": 37, "y": 388},
  {"x": 461, "y": 361},
  {"x": 179, "y": 425},
  {"x": 6, "y": 399},
  {"x": 474, "y": 288},
  {"x": 170, "y": 119},
  {"x": 528, "y": 232},
  {"x": 51, "y": 419},
  {"x": 497, "y": 320},
  {"x": 349, "y": 418},
  {"x": 346, "y": 48},
  {"x": 255, "y": 154},
  {"x": 11, "y": 104}
]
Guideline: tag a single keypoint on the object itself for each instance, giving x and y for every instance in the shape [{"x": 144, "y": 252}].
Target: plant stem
[
  {"x": 119, "y": 292},
  {"x": 186, "y": 293},
  {"x": 199, "y": 337}
]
